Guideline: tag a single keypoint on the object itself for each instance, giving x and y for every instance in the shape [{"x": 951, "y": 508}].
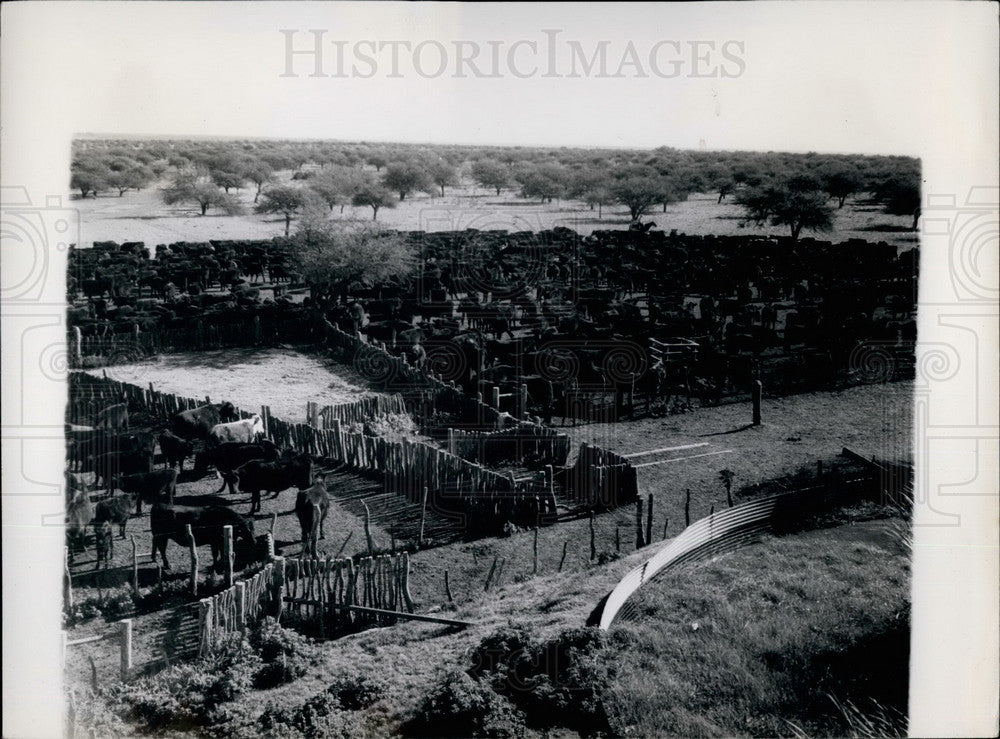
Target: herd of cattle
[
  {"x": 553, "y": 311},
  {"x": 122, "y": 460}
]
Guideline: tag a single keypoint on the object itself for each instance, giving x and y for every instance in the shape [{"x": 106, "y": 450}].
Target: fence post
[
  {"x": 206, "y": 619},
  {"x": 279, "y": 587},
  {"x": 756, "y": 389},
  {"x": 649, "y": 519},
  {"x": 241, "y": 605},
  {"x": 269, "y": 543},
  {"x": 639, "y": 543},
  {"x": 125, "y": 634},
  {"x": 451, "y": 440},
  {"x": 687, "y": 508},
  {"x": 522, "y": 402},
  {"x": 193, "y": 549},
  {"x": 447, "y": 590},
  {"x": 496, "y": 397},
  {"x": 227, "y": 554},
  {"x": 423, "y": 514},
  {"x": 135, "y": 568},
  {"x": 563, "y": 557}
]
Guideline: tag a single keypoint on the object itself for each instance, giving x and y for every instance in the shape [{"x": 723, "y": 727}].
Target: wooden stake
[
  {"x": 447, "y": 587},
  {"x": 687, "y": 508},
  {"x": 618, "y": 538},
  {"x": 489, "y": 577},
  {"x": 423, "y": 514},
  {"x": 227, "y": 555},
  {"x": 135, "y": 568},
  {"x": 563, "y": 557},
  {"x": 639, "y": 542},
  {"x": 193, "y": 549},
  {"x": 666, "y": 522},
  {"x": 649, "y": 519},
  {"x": 125, "y": 635},
  {"x": 593, "y": 545}
]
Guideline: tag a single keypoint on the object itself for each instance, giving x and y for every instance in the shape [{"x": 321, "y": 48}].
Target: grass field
[{"x": 142, "y": 216}]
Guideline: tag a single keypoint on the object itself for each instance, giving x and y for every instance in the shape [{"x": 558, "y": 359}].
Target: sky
[{"x": 910, "y": 78}]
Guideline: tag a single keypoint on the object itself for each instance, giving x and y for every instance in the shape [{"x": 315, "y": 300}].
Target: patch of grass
[{"x": 757, "y": 639}]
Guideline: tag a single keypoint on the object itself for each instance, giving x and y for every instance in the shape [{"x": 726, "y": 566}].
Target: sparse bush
[{"x": 464, "y": 707}]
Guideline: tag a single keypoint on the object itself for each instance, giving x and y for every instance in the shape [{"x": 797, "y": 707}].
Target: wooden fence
[
  {"x": 601, "y": 479},
  {"x": 366, "y": 409},
  {"x": 239, "y": 607},
  {"x": 326, "y": 591},
  {"x": 527, "y": 442},
  {"x": 131, "y": 346}
]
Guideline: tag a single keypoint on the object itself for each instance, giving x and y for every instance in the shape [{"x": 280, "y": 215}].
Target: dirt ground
[
  {"x": 283, "y": 378},
  {"x": 142, "y": 216}
]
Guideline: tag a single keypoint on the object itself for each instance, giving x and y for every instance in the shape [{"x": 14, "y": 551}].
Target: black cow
[
  {"x": 174, "y": 449},
  {"x": 115, "y": 510},
  {"x": 311, "y": 507},
  {"x": 198, "y": 422},
  {"x": 229, "y": 456},
  {"x": 169, "y": 522},
  {"x": 257, "y": 476},
  {"x": 151, "y": 487},
  {"x": 111, "y": 465}
]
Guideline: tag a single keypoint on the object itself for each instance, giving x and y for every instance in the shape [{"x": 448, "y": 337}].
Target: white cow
[{"x": 246, "y": 431}]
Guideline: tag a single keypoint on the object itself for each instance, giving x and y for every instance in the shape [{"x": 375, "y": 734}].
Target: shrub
[
  {"x": 463, "y": 707},
  {"x": 286, "y": 654},
  {"x": 555, "y": 682},
  {"x": 186, "y": 696}
]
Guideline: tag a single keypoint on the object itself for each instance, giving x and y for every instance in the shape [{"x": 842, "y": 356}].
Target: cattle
[
  {"x": 151, "y": 487},
  {"x": 229, "y": 456},
  {"x": 115, "y": 510},
  {"x": 244, "y": 431},
  {"x": 174, "y": 449},
  {"x": 196, "y": 423},
  {"x": 104, "y": 543},
  {"x": 257, "y": 476},
  {"x": 112, "y": 464},
  {"x": 169, "y": 523},
  {"x": 83, "y": 446},
  {"x": 79, "y": 514},
  {"x": 311, "y": 507},
  {"x": 112, "y": 417}
]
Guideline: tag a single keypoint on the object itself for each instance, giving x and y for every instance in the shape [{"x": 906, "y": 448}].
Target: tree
[
  {"x": 330, "y": 255},
  {"x": 841, "y": 183},
  {"x": 543, "y": 181},
  {"x": 785, "y": 207},
  {"x": 259, "y": 172},
  {"x": 188, "y": 187},
  {"x": 285, "y": 200},
  {"x": 590, "y": 185},
  {"x": 903, "y": 199},
  {"x": 227, "y": 180},
  {"x": 489, "y": 173},
  {"x": 134, "y": 177},
  {"x": 375, "y": 197},
  {"x": 338, "y": 185},
  {"x": 89, "y": 176},
  {"x": 443, "y": 174},
  {"x": 637, "y": 189},
  {"x": 404, "y": 177}
]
